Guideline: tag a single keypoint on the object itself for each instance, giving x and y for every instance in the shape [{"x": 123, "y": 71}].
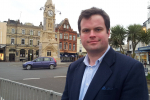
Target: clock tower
[{"x": 49, "y": 44}]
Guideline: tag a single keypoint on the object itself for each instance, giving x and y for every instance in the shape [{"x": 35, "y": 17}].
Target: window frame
[
  {"x": 30, "y": 42},
  {"x": 39, "y": 33},
  {"x": 60, "y": 45},
  {"x": 60, "y": 35},
  {"x": 74, "y": 37},
  {"x": 21, "y": 41},
  {"x": 48, "y": 53},
  {"x": 13, "y": 41},
  {"x": 31, "y": 32},
  {"x": 23, "y": 31},
  {"x": 70, "y": 37},
  {"x": 13, "y": 31}
]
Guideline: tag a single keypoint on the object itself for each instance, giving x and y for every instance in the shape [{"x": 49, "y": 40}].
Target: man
[{"x": 103, "y": 74}]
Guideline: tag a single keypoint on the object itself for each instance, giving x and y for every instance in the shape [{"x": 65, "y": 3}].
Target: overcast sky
[{"x": 123, "y": 12}]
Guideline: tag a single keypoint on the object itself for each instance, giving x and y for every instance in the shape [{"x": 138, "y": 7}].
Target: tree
[
  {"x": 118, "y": 35},
  {"x": 136, "y": 34}
]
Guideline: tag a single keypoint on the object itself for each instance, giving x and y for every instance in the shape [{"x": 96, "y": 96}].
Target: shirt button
[
  {"x": 87, "y": 84},
  {"x": 90, "y": 68}
]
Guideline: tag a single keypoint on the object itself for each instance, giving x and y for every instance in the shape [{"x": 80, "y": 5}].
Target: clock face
[{"x": 50, "y": 13}]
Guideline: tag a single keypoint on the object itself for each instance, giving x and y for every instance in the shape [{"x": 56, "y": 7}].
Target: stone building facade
[
  {"x": 49, "y": 47},
  {"x": 22, "y": 41}
]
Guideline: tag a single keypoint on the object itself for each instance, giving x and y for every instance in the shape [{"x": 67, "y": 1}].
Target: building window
[
  {"x": 64, "y": 26},
  {"x": 67, "y": 26},
  {"x": 13, "y": 30},
  {"x": 56, "y": 36},
  {"x": 69, "y": 46},
  {"x": 60, "y": 45},
  {"x": 38, "y": 33},
  {"x": 73, "y": 47},
  {"x": 31, "y": 32},
  {"x": 60, "y": 35},
  {"x": 80, "y": 42},
  {"x": 48, "y": 53},
  {"x": 31, "y": 42},
  {"x": 12, "y": 41},
  {"x": 64, "y": 45},
  {"x": 80, "y": 49},
  {"x": 65, "y": 36},
  {"x": 22, "y": 53},
  {"x": 70, "y": 37},
  {"x": 23, "y": 31},
  {"x": 38, "y": 42},
  {"x": 22, "y": 41},
  {"x": 74, "y": 37}
]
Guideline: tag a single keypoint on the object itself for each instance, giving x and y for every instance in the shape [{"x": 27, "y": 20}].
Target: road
[{"x": 43, "y": 78}]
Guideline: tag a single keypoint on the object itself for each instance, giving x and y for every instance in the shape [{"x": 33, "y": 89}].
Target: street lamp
[{"x": 144, "y": 28}]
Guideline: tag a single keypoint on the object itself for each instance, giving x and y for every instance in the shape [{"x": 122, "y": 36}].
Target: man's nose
[{"x": 92, "y": 33}]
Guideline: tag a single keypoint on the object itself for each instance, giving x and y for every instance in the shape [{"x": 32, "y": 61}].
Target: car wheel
[
  {"x": 51, "y": 66},
  {"x": 28, "y": 67}
]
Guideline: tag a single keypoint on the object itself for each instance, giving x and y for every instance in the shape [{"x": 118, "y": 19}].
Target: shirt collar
[{"x": 86, "y": 59}]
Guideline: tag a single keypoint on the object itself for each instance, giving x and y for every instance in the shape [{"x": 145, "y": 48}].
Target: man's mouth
[{"x": 94, "y": 41}]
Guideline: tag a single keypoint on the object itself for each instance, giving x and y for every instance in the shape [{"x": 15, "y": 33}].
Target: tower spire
[{"x": 48, "y": 2}]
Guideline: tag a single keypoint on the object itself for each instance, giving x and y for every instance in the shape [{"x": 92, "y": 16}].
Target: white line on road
[
  {"x": 31, "y": 78},
  {"x": 59, "y": 76}
]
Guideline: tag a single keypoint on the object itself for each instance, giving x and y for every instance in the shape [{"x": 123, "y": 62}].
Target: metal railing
[{"x": 11, "y": 90}]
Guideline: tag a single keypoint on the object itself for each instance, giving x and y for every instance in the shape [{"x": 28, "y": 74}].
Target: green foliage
[
  {"x": 148, "y": 77},
  {"x": 136, "y": 34},
  {"x": 118, "y": 35}
]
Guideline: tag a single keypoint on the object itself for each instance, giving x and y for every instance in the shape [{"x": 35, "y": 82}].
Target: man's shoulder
[{"x": 124, "y": 58}]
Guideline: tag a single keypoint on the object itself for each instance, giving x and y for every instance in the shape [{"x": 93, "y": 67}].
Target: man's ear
[{"x": 108, "y": 32}]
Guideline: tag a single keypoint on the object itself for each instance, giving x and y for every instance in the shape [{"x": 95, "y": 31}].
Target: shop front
[
  {"x": 67, "y": 57},
  {"x": 2, "y": 52},
  {"x": 143, "y": 54}
]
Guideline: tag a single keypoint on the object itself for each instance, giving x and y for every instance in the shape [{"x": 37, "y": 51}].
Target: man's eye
[
  {"x": 86, "y": 31},
  {"x": 98, "y": 30}
]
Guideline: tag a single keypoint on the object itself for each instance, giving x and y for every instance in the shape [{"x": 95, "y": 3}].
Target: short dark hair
[{"x": 94, "y": 11}]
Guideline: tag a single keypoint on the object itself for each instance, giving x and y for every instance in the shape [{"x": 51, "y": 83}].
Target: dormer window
[
  {"x": 64, "y": 26},
  {"x": 67, "y": 26}
]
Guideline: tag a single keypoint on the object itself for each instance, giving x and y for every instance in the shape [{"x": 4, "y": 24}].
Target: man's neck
[{"x": 94, "y": 56}]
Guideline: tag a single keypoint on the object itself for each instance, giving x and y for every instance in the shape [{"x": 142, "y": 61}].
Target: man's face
[{"x": 94, "y": 35}]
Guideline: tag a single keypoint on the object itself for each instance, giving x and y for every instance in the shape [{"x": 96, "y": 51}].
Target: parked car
[{"x": 41, "y": 62}]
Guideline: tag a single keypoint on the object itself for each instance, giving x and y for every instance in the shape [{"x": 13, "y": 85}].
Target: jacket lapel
[
  {"x": 101, "y": 76},
  {"x": 78, "y": 75}
]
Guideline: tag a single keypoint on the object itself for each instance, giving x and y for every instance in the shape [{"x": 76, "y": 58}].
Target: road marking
[
  {"x": 31, "y": 78},
  {"x": 59, "y": 76}
]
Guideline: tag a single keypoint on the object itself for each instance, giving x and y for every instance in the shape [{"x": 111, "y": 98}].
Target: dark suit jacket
[{"x": 118, "y": 77}]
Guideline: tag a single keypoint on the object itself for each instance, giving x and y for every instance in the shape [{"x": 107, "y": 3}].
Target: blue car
[{"x": 41, "y": 62}]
